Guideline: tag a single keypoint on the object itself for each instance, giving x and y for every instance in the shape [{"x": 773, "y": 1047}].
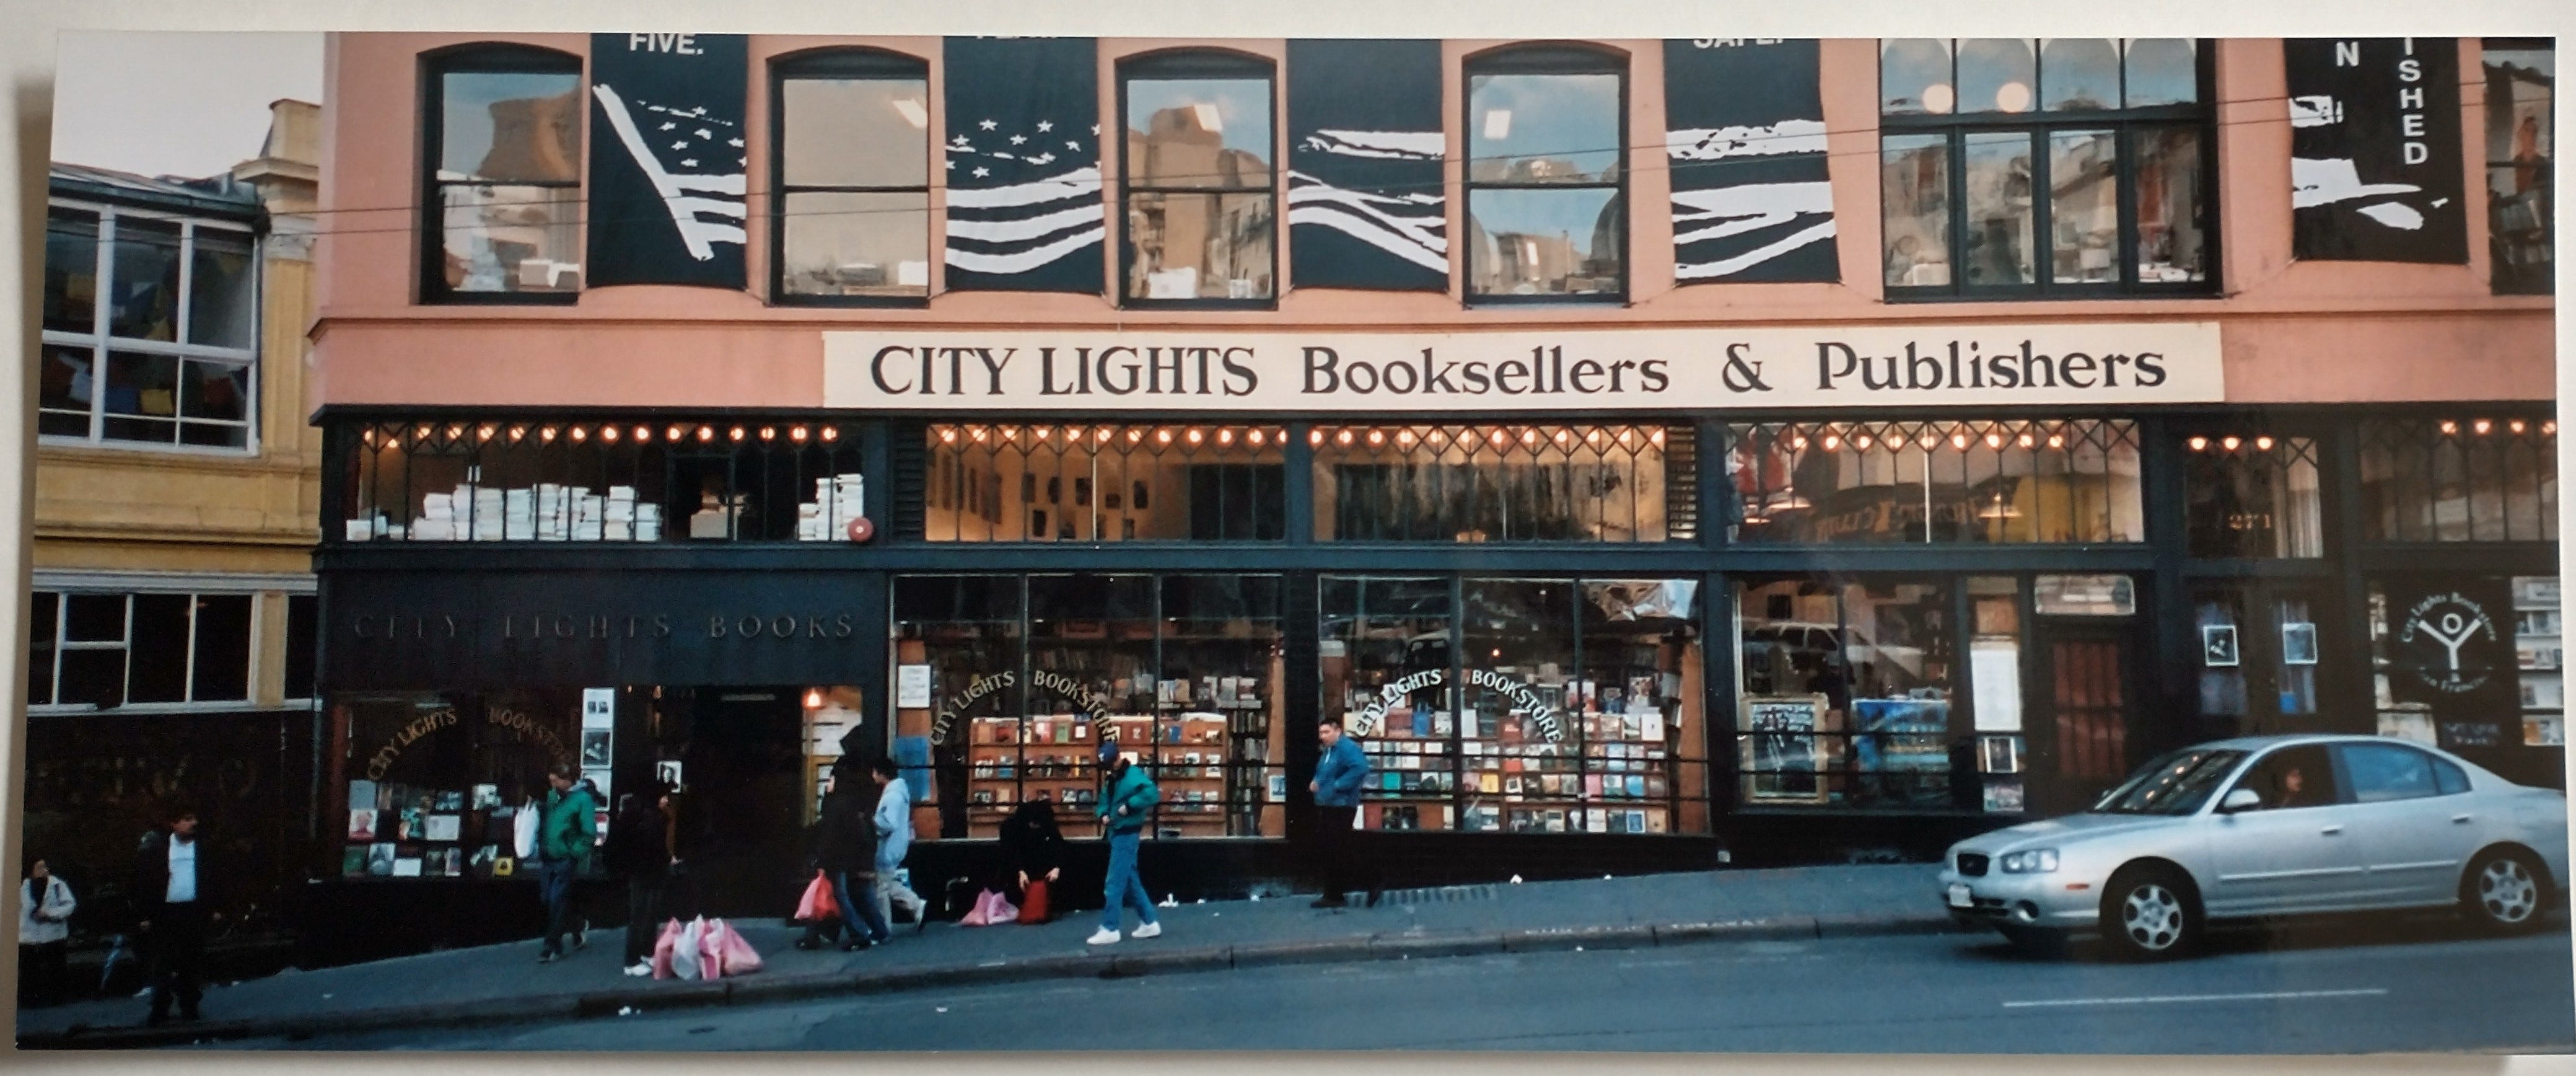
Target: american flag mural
[
  {"x": 667, "y": 160},
  {"x": 1023, "y": 165},
  {"x": 1744, "y": 134},
  {"x": 1365, "y": 144}
]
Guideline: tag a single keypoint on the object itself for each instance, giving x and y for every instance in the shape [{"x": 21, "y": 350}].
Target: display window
[
  {"x": 433, "y": 781},
  {"x": 1520, "y": 705},
  {"x": 1010, "y": 683},
  {"x": 2473, "y": 664},
  {"x": 1991, "y": 482}
]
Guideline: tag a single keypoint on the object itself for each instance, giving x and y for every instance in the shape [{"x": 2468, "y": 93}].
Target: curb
[{"x": 772, "y": 989}]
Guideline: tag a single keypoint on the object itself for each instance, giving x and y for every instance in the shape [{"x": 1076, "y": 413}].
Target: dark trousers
[
  {"x": 643, "y": 915},
  {"x": 859, "y": 918},
  {"x": 1338, "y": 851},
  {"x": 41, "y": 974},
  {"x": 554, "y": 886},
  {"x": 177, "y": 947}
]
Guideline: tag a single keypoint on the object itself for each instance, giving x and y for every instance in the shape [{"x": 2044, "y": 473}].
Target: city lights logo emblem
[{"x": 2437, "y": 635}]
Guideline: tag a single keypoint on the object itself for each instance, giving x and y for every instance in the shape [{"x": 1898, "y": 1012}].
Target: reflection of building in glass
[{"x": 1189, "y": 245}]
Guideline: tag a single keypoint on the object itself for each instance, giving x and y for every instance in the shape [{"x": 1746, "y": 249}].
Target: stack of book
[{"x": 838, "y": 499}]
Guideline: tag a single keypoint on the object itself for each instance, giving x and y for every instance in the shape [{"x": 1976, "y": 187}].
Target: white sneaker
[
  {"x": 641, "y": 968},
  {"x": 1106, "y": 936},
  {"x": 1149, "y": 930}
]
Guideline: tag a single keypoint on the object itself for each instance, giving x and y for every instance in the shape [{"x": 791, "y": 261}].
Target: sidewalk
[{"x": 501, "y": 983}]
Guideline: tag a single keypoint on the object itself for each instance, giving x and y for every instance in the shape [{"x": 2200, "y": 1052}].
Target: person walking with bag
[
  {"x": 1033, "y": 847},
  {"x": 175, "y": 889},
  {"x": 1123, "y": 810},
  {"x": 845, "y": 850},
  {"x": 45, "y": 907},
  {"x": 893, "y": 818},
  {"x": 639, "y": 849},
  {"x": 564, "y": 841},
  {"x": 1340, "y": 772}
]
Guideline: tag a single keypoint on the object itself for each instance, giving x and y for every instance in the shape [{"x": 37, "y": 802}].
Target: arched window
[
  {"x": 1197, "y": 184},
  {"x": 851, "y": 223},
  {"x": 1546, "y": 176},
  {"x": 502, "y": 198}
]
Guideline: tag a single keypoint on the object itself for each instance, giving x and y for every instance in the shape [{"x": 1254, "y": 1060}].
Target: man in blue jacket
[{"x": 1340, "y": 772}]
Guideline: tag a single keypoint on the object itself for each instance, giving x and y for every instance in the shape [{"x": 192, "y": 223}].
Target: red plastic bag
[
  {"x": 818, "y": 904},
  {"x": 1033, "y": 901}
]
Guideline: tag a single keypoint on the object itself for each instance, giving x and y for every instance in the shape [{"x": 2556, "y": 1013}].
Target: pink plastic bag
[
  {"x": 711, "y": 949},
  {"x": 663, "y": 948},
  {"x": 818, "y": 904},
  {"x": 739, "y": 957},
  {"x": 990, "y": 908}
]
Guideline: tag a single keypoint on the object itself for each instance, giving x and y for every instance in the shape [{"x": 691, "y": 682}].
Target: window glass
[
  {"x": 66, "y": 382},
  {"x": 159, "y": 672},
  {"x": 511, "y": 238},
  {"x": 2161, "y": 71},
  {"x": 222, "y": 667},
  {"x": 2252, "y": 496},
  {"x": 92, "y": 675},
  {"x": 1915, "y": 186},
  {"x": 1994, "y": 667},
  {"x": 2171, "y": 248},
  {"x": 509, "y": 126},
  {"x": 1546, "y": 242},
  {"x": 967, "y": 631},
  {"x": 1200, "y": 246},
  {"x": 71, "y": 270},
  {"x": 1543, "y": 128},
  {"x": 144, "y": 301},
  {"x": 1499, "y": 483},
  {"x": 2467, "y": 479},
  {"x": 95, "y": 618},
  {"x": 2080, "y": 72},
  {"x": 1846, "y": 689},
  {"x": 2380, "y": 772},
  {"x": 1012, "y": 483},
  {"x": 1980, "y": 482},
  {"x": 435, "y": 781},
  {"x": 859, "y": 243},
  {"x": 43, "y": 630},
  {"x": 2296, "y": 621},
  {"x": 303, "y": 635},
  {"x": 2084, "y": 209},
  {"x": 222, "y": 290},
  {"x": 2540, "y": 656},
  {"x": 1914, "y": 76},
  {"x": 855, "y": 132},
  {"x": 1995, "y": 75},
  {"x": 2521, "y": 95},
  {"x": 2291, "y": 778},
  {"x": 2176, "y": 784},
  {"x": 2449, "y": 779},
  {"x": 142, "y": 397},
  {"x": 1198, "y": 132},
  {"x": 1998, "y": 178}
]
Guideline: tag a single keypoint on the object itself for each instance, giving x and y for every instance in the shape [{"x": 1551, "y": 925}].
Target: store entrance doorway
[
  {"x": 2087, "y": 691},
  {"x": 741, "y": 830}
]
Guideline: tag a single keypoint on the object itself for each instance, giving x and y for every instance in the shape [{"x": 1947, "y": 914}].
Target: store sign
[
  {"x": 1369, "y": 719},
  {"x": 1855, "y": 366},
  {"x": 2448, "y": 654},
  {"x": 2375, "y": 171}
]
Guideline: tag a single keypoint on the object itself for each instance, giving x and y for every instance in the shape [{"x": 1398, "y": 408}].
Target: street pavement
[{"x": 2370, "y": 986}]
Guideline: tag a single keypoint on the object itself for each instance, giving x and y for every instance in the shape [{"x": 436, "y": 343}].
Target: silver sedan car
[{"x": 2264, "y": 827}]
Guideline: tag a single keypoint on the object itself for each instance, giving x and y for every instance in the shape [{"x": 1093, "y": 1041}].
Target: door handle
[
  {"x": 2460, "y": 819},
  {"x": 2331, "y": 831}
]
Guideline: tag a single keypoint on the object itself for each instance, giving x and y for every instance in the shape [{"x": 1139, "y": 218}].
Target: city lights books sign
[{"x": 1623, "y": 369}]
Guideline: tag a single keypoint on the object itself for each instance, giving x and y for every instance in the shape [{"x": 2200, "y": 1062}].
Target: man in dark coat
[
  {"x": 845, "y": 850},
  {"x": 639, "y": 850},
  {"x": 176, "y": 885}
]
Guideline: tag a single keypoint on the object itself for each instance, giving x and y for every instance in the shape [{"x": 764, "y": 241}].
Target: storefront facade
[{"x": 1691, "y": 514}]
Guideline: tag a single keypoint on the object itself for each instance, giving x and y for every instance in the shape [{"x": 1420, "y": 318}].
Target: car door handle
[
  {"x": 2331, "y": 831},
  {"x": 2459, "y": 819}
]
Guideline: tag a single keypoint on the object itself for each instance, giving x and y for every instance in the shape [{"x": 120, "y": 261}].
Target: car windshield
[{"x": 2176, "y": 784}]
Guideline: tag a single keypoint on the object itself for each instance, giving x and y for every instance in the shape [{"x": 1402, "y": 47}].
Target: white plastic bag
[
  {"x": 525, "y": 830},
  {"x": 686, "y": 961}
]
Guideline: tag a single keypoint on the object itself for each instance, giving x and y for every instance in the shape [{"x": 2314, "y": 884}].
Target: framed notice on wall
[{"x": 1782, "y": 758}]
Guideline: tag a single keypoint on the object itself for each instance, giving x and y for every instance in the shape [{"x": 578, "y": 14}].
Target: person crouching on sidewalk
[{"x": 1123, "y": 810}]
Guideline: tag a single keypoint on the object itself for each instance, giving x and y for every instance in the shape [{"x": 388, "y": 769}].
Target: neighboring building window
[
  {"x": 502, "y": 206},
  {"x": 1547, "y": 170},
  {"x": 2059, "y": 168},
  {"x": 2521, "y": 94},
  {"x": 151, "y": 329},
  {"x": 104, "y": 651},
  {"x": 1992, "y": 482},
  {"x": 303, "y": 638},
  {"x": 2460, "y": 480},
  {"x": 664, "y": 478},
  {"x": 853, "y": 179},
  {"x": 1011, "y": 483},
  {"x": 1505, "y": 483},
  {"x": 2252, "y": 495},
  {"x": 1201, "y": 213}
]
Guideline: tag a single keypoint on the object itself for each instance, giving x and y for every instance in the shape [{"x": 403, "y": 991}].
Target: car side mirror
[{"x": 2242, "y": 799}]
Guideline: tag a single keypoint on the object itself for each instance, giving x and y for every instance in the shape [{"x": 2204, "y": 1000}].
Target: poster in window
[
  {"x": 2218, "y": 646},
  {"x": 596, "y": 747},
  {"x": 380, "y": 859},
  {"x": 362, "y": 826},
  {"x": 2544, "y": 730},
  {"x": 407, "y": 867},
  {"x": 667, "y": 159},
  {"x": 442, "y": 827},
  {"x": 2375, "y": 171},
  {"x": 1365, "y": 153},
  {"x": 486, "y": 797},
  {"x": 598, "y": 707},
  {"x": 2298, "y": 643},
  {"x": 1782, "y": 755},
  {"x": 2445, "y": 647}
]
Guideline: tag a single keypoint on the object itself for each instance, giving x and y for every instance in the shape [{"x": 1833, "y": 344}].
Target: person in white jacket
[
  {"x": 45, "y": 907},
  {"x": 894, "y": 838}
]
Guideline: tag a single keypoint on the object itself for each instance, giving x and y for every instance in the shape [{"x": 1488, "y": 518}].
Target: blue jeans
[
  {"x": 1124, "y": 888},
  {"x": 554, "y": 886},
  {"x": 860, "y": 916}
]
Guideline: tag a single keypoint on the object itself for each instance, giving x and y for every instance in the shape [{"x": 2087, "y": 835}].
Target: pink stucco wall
[{"x": 2291, "y": 331}]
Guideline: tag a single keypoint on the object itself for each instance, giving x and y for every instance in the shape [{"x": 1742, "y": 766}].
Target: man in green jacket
[
  {"x": 1124, "y": 810},
  {"x": 566, "y": 829}
]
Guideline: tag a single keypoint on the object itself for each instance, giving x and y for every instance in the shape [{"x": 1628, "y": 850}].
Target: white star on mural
[
  {"x": 1045, "y": 125},
  {"x": 679, "y": 145},
  {"x": 989, "y": 125},
  {"x": 1073, "y": 145},
  {"x": 1017, "y": 139},
  {"x": 1095, "y": 128},
  {"x": 669, "y": 126},
  {"x": 735, "y": 143},
  {"x": 690, "y": 162},
  {"x": 982, "y": 172},
  {"x": 959, "y": 140},
  {"x": 704, "y": 133}
]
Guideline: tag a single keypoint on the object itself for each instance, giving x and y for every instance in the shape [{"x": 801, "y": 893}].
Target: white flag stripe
[
  {"x": 1734, "y": 226},
  {"x": 732, "y": 185},
  {"x": 1079, "y": 183},
  {"x": 1427, "y": 230},
  {"x": 1754, "y": 198},
  {"x": 1717, "y": 143},
  {"x": 1021, "y": 229},
  {"x": 2316, "y": 182},
  {"x": 1023, "y": 261},
  {"x": 1369, "y": 232},
  {"x": 1398, "y": 145},
  {"x": 697, "y": 235},
  {"x": 1739, "y": 263}
]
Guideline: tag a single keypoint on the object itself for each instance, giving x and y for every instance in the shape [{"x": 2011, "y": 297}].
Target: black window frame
[
  {"x": 840, "y": 63},
  {"x": 1205, "y": 64},
  {"x": 1546, "y": 58},
  {"x": 485, "y": 58},
  {"x": 2501, "y": 281},
  {"x": 2127, "y": 126}
]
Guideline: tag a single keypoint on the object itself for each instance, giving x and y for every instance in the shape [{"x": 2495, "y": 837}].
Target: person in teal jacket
[
  {"x": 1123, "y": 812},
  {"x": 566, "y": 832}
]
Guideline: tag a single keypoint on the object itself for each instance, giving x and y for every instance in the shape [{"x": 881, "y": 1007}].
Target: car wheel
[
  {"x": 2502, "y": 892},
  {"x": 2150, "y": 913}
]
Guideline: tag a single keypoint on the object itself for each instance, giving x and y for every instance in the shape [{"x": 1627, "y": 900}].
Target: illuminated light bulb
[
  {"x": 1041, "y": 432},
  {"x": 1529, "y": 437},
  {"x": 1657, "y": 437},
  {"x": 814, "y": 698},
  {"x": 980, "y": 434},
  {"x": 1861, "y": 441},
  {"x": 1958, "y": 440},
  {"x": 426, "y": 429},
  {"x": 1937, "y": 98},
  {"x": 1197, "y": 435},
  {"x": 518, "y": 433},
  {"x": 1499, "y": 438},
  {"x": 2198, "y": 444},
  {"x": 1102, "y": 435},
  {"x": 2482, "y": 426},
  {"x": 369, "y": 437},
  {"x": 797, "y": 434},
  {"x": 675, "y": 432},
  {"x": 1162, "y": 437},
  {"x": 1134, "y": 435},
  {"x": 1438, "y": 438},
  {"x": 2549, "y": 428},
  {"x": 1564, "y": 436},
  {"x": 1315, "y": 437},
  {"x": 947, "y": 435},
  {"x": 737, "y": 433},
  {"x": 608, "y": 433},
  {"x": 459, "y": 431},
  {"x": 546, "y": 434},
  {"x": 1798, "y": 443},
  {"x": 1994, "y": 440},
  {"x": 2055, "y": 441},
  {"x": 1254, "y": 437},
  {"x": 2013, "y": 97},
  {"x": 643, "y": 433},
  {"x": 2516, "y": 425},
  {"x": 706, "y": 433},
  {"x": 1376, "y": 438},
  {"x": 2263, "y": 443},
  {"x": 1627, "y": 435},
  {"x": 2450, "y": 427},
  {"x": 2027, "y": 440},
  {"x": 581, "y": 433},
  {"x": 1833, "y": 441},
  {"x": 769, "y": 433},
  {"x": 1594, "y": 438},
  {"x": 2228, "y": 443},
  {"x": 831, "y": 433},
  {"x": 1405, "y": 438},
  {"x": 1930, "y": 439},
  {"x": 1225, "y": 437}
]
